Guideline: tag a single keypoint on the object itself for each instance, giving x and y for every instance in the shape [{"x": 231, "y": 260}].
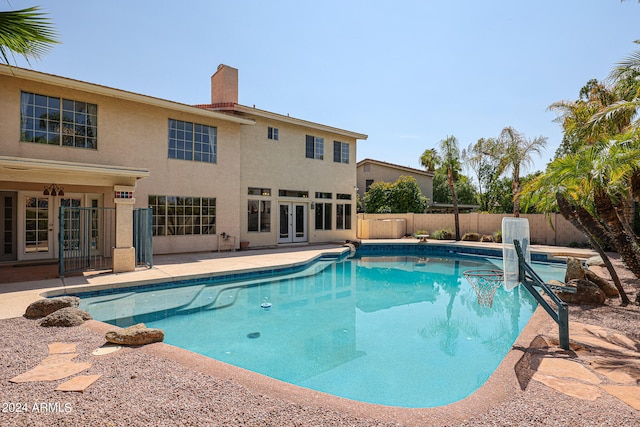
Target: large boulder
[
  {"x": 68, "y": 316},
  {"x": 46, "y": 306},
  {"x": 586, "y": 293},
  {"x": 135, "y": 335},
  {"x": 607, "y": 287},
  {"x": 574, "y": 270}
]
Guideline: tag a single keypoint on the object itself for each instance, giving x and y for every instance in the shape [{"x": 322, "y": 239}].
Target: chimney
[{"x": 224, "y": 85}]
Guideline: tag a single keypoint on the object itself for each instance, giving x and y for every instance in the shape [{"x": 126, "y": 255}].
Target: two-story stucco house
[{"x": 205, "y": 170}]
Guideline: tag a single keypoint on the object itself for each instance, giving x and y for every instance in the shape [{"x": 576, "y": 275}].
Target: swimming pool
[{"x": 394, "y": 330}]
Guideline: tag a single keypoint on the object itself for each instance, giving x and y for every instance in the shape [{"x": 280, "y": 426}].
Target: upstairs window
[
  {"x": 272, "y": 133},
  {"x": 314, "y": 147},
  {"x": 340, "y": 152},
  {"x": 58, "y": 121},
  {"x": 192, "y": 141}
]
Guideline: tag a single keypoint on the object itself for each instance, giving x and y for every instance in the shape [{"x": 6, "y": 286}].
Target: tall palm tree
[
  {"x": 26, "y": 32},
  {"x": 514, "y": 152},
  {"x": 447, "y": 158}
]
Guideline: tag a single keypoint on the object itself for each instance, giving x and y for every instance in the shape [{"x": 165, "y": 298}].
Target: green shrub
[
  {"x": 497, "y": 236},
  {"x": 471, "y": 237},
  {"x": 444, "y": 234}
]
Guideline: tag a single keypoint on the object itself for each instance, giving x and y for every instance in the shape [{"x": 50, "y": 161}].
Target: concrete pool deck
[
  {"x": 16, "y": 296},
  {"x": 523, "y": 363}
]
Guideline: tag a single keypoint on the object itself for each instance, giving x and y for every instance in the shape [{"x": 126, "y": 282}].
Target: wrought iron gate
[
  {"x": 88, "y": 235},
  {"x": 85, "y": 239}
]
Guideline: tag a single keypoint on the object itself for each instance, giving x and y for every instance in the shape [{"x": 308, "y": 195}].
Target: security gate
[
  {"x": 88, "y": 235},
  {"x": 86, "y": 238}
]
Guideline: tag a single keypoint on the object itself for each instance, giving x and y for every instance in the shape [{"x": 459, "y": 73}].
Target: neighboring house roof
[
  {"x": 394, "y": 166},
  {"x": 242, "y": 109},
  {"x": 116, "y": 93}
]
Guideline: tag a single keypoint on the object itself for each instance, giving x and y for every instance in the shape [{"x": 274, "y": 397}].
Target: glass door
[
  {"x": 292, "y": 222},
  {"x": 300, "y": 222},
  {"x": 284, "y": 223},
  {"x": 38, "y": 237}
]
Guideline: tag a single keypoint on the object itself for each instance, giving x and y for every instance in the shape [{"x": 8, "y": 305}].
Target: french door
[
  {"x": 292, "y": 222},
  {"x": 38, "y": 239}
]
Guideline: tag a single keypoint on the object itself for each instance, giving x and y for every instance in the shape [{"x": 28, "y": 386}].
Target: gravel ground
[{"x": 139, "y": 389}]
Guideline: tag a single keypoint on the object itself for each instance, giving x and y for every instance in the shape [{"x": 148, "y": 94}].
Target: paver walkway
[{"x": 57, "y": 365}]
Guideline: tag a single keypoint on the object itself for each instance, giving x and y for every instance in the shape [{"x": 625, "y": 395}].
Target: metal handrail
[{"x": 529, "y": 279}]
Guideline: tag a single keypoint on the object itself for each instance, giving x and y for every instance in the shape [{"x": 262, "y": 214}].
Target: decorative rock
[
  {"x": 574, "y": 270},
  {"x": 487, "y": 238},
  {"x": 68, "y": 316},
  {"x": 608, "y": 288},
  {"x": 587, "y": 293},
  {"x": 595, "y": 260},
  {"x": 46, "y": 306},
  {"x": 135, "y": 335}
]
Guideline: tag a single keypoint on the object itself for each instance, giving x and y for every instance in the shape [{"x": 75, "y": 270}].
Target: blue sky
[{"x": 406, "y": 73}]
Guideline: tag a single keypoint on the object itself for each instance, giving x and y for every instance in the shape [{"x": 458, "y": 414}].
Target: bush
[
  {"x": 471, "y": 237},
  {"x": 497, "y": 236},
  {"x": 444, "y": 234}
]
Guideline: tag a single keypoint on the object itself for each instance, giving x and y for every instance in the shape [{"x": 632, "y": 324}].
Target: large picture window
[
  {"x": 192, "y": 141},
  {"x": 314, "y": 148},
  {"x": 181, "y": 216},
  {"x": 58, "y": 121}
]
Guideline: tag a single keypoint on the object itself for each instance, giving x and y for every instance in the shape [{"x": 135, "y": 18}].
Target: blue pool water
[{"x": 393, "y": 330}]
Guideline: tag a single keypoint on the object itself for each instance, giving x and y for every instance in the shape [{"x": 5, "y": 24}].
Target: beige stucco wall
[
  {"x": 378, "y": 172},
  {"x": 135, "y": 135},
  {"x": 544, "y": 230},
  {"x": 282, "y": 165}
]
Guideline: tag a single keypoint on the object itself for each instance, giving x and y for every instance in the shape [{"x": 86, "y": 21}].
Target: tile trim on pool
[
  {"x": 173, "y": 282},
  {"x": 364, "y": 249}
]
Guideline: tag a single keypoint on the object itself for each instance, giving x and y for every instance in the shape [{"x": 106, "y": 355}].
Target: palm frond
[{"x": 26, "y": 32}]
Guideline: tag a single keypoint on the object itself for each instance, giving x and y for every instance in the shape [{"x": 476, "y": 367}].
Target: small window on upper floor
[
  {"x": 314, "y": 148},
  {"x": 340, "y": 152},
  {"x": 272, "y": 133}
]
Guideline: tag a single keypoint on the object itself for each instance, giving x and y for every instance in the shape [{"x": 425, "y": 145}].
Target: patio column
[{"x": 124, "y": 254}]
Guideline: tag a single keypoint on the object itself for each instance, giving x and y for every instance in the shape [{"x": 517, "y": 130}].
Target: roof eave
[{"x": 117, "y": 93}]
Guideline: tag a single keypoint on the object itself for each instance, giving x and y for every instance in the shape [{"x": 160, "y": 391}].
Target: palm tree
[
  {"x": 26, "y": 32},
  {"x": 588, "y": 188},
  {"x": 513, "y": 153},
  {"x": 448, "y": 159}
]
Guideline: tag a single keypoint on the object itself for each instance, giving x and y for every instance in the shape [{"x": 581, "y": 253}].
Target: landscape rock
[
  {"x": 135, "y": 335},
  {"x": 607, "y": 287},
  {"x": 46, "y": 306},
  {"x": 68, "y": 316},
  {"x": 586, "y": 293},
  {"x": 487, "y": 238},
  {"x": 574, "y": 270}
]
